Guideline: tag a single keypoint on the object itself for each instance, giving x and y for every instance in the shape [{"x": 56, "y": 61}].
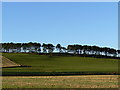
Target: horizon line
[{"x": 61, "y": 44}]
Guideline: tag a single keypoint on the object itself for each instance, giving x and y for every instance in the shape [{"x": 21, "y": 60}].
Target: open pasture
[{"x": 55, "y": 65}]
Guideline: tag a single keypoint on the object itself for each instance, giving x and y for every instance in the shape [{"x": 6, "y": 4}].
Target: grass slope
[
  {"x": 44, "y": 64},
  {"x": 8, "y": 63}
]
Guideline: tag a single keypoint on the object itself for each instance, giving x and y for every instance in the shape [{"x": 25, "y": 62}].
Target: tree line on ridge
[{"x": 34, "y": 47}]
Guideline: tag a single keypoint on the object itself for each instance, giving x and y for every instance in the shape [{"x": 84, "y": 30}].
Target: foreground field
[
  {"x": 93, "y": 81},
  {"x": 55, "y": 65}
]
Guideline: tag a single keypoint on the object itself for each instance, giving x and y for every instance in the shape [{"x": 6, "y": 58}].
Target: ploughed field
[{"x": 33, "y": 64}]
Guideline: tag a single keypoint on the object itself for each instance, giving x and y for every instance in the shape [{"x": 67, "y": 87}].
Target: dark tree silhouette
[
  {"x": 34, "y": 47},
  {"x": 59, "y": 48},
  {"x": 44, "y": 48}
]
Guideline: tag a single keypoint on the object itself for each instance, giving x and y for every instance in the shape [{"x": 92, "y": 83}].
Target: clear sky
[{"x": 90, "y": 23}]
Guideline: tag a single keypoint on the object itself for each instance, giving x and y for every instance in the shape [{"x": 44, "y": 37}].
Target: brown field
[
  {"x": 86, "y": 81},
  {"x": 7, "y": 63}
]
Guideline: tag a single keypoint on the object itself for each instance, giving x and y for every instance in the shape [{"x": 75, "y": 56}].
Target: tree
[
  {"x": 50, "y": 48},
  {"x": 71, "y": 48},
  {"x": 118, "y": 52},
  {"x": 74, "y": 49},
  {"x": 24, "y": 46},
  {"x": 64, "y": 49},
  {"x": 106, "y": 50},
  {"x": 85, "y": 48},
  {"x": 112, "y": 52},
  {"x": 44, "y": 48},
  {"x": 37, "y": 47},
  {"x": 59, "y": 48}
]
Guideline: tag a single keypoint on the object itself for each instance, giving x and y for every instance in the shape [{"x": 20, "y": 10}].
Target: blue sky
[{"x": 91, "y": 23}]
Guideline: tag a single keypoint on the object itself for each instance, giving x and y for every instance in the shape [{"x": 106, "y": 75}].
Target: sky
[{"x": 85, "y": 23}]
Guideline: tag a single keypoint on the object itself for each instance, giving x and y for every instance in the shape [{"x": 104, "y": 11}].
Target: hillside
[
  {"x": 52, "y": 65},
  {"x": 8, "y": 63}
]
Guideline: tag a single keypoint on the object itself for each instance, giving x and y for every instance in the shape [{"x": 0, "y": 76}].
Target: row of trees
[
  {"x": 21, "y": 47},
  {"x": 93, "y": 50},
  {"x": 49, "y": 48}
]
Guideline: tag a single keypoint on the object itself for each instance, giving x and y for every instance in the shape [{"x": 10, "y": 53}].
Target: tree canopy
[{"x": 34, "y": 47}]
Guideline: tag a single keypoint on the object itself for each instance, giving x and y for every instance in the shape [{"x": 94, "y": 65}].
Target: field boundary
[{"x": 56, "y": 73}]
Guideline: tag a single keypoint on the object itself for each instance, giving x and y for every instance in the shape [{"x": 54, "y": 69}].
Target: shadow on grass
[
  {"x": 17, "y": 66},
  {"x": 56, "y": 73}
]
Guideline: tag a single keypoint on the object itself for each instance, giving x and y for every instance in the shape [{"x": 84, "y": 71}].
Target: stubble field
[{"x": 86, "y": 81}]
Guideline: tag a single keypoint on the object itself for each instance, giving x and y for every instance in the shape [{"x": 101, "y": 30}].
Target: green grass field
[
  {"x": 44, "y": 64},
  {"x": 47, "y": 65}
]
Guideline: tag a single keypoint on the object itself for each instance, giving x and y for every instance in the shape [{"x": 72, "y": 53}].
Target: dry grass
[
  {"x": 88, "y": 81},
  {"x": 7, "y": 63}
]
